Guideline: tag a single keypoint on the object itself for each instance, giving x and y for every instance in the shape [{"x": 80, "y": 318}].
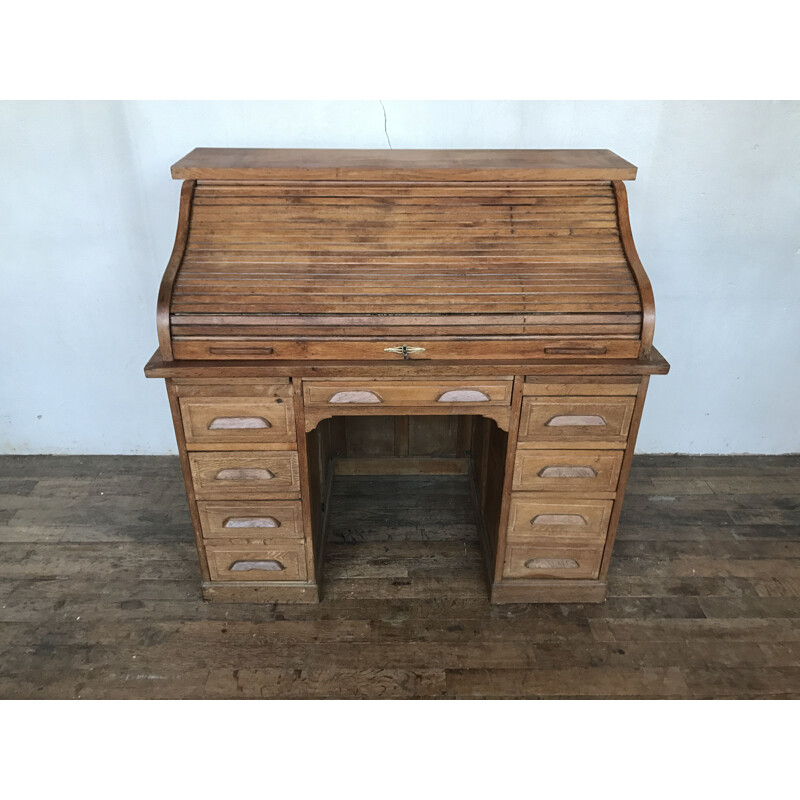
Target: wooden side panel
[
  {"x": 497, "y": 446},
  {"x": 627, "y": 460},
  {"x": 433, "y": 436},
  {"x": 310, "y": 481},
  {"x": 187, "y": 477},
  {"x": 642, "y": 281},
  {"x": 508, "y": 474},
  {"x": 479, "y": 451},
  {"x": 370, "y": 436},
  {"x": 163, "y": 307}
]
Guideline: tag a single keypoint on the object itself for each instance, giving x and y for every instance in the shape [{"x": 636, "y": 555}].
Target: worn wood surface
[
  {"x": 157, "y": 367},
  {"x": 642, "y": 281},
  {"x": 243, "y": 163},
  {"x": 165, "y": 289},
  {"x": 465, "y": 255},
  {"x": 355, "y": 249},
  {"x": 99, "y": 594}
]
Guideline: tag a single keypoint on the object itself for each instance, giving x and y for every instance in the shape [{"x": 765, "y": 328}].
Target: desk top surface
[{"x": 253, "y": 164}]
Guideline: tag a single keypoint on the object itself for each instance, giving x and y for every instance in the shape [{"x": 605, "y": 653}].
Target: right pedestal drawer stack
[{"x": 571, "y": 444}]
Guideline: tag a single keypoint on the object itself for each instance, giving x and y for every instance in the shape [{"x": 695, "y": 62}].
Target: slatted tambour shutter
[{"x": 365, "y": 259}]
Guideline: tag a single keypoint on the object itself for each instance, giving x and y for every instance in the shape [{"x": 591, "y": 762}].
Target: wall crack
[{"x": 386, "y": 125}]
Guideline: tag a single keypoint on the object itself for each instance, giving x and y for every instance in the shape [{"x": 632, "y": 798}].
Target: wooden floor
[{"x": 99, "y": 593}]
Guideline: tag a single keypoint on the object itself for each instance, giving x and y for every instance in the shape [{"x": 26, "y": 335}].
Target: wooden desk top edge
[{"x": 253, "y": 164}]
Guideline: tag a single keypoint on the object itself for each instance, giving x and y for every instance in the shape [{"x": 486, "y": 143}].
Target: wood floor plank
[
  {"x": 681, "y": 630},
  {"x": 99, "y": 593},
  {"x": 650, "y": 682},
  {"x": 750, "y": 607},
  {"x": 649, "y": 585},
  {"x": 761, "y": 683}
]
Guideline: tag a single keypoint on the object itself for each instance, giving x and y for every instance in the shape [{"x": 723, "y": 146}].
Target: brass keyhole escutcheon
[{"x": 404, "y": 350}]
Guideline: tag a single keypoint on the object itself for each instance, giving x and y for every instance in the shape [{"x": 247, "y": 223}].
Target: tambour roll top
[{"x": 384, "y": 255}]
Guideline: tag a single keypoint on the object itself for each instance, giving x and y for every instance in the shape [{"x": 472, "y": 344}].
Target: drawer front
[
  {"x": 238, "y": 419},
  {"x": 550, "y": 521},
  {"x": 540, "y": 386},
  {"x": 406, "y": 393},
  {"x": 232, "y": 387},
  {"x": 240, "y": 475},
  {"x": 552, "y": 562},
  {"x": 280, "y": 561},
  {"x": 567, "y": 470},
  {"x": 391, "y": 350},
  {"x": 272, "y": 519},
  {"x": 557, "y": 420}
]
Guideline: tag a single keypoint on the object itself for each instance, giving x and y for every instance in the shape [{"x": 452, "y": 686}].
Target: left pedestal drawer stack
[{"x": 239, "y": 454}]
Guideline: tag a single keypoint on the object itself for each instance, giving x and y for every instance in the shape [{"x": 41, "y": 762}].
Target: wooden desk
[{"x": 488, "y": 302}]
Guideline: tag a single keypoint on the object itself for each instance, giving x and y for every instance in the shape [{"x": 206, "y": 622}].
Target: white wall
[{"x": 88, "y": 214}]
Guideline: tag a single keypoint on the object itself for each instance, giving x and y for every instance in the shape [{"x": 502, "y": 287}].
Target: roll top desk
[{"x": 310, "y": 288}]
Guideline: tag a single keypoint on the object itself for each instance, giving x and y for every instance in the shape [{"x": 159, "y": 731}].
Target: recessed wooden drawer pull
[
  {"x": 251, "y": 522},
  {"x": 241, "y": 351},
  {"x": 238, "y": 423},
  {"x": 355, "y": 397},
  {"x": 575, "y": 419},
  {"x": 575, "y": 351},
  {"x": 463, "y": 396},
  {"x": 559, "y": 519},
  {"x": 245, "y": 566},
  {"x": 245, "y": 474},
  {"x": 568, "y": 472},
  {"x": 551, "y": 563}
]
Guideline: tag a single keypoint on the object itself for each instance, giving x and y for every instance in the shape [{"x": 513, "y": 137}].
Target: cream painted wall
[{"x": 88, "y": 213}]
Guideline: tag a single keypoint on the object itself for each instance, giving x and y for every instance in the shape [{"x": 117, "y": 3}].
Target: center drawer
[
  {"x": 567, "y": 470},
  {"x": 246, "y": 474},
  {"x": 406, "y": 393}
]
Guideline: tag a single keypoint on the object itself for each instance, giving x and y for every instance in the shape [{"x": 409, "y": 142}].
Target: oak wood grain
[
  {"x": 355, "y": 312},
  {"x": 168, "y": 281},
  {"x": 157, "y": 367},
  {"x": 249, "y": 164}
]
